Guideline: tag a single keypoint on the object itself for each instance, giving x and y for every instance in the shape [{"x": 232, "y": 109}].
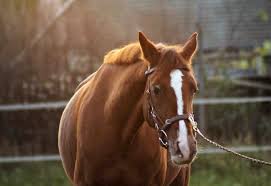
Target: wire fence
[
  {"x": 56, "y": 157},
  {"x": 200, "y": 101}
]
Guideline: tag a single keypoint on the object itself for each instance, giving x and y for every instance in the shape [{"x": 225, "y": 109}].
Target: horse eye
[{"x": 156, "y": 89}]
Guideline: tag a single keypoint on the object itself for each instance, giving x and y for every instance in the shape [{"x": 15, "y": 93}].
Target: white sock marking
[{"x": 176, "y": 83}]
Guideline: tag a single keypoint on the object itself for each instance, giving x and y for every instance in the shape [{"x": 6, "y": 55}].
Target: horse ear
[
  {"x": 150, "y": 52},
  {"x": 190, "y": 47}
]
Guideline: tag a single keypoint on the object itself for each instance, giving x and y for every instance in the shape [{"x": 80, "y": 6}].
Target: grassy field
[
  {"x": 208, "y": 170},
  {"x": 228, "y": 170}
]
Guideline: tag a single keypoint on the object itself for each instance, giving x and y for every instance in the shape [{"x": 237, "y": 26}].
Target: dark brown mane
[{"x": 132, "y": 53}]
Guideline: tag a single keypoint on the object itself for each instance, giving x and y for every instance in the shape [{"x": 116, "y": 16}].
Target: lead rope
[{"x": 196, "y": 129}]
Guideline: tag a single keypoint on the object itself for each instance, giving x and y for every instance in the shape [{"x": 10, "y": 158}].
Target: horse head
[{"x": 168, "y": 97}]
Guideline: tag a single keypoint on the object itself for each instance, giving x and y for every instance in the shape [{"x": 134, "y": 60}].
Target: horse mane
[
  {"x": 125, "y": 55},
  {"x": 132, "y": 53}
]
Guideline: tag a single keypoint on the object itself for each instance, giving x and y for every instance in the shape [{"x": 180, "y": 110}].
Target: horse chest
[
  {"x": 125, "y": 166},
  {"x": 128, "y": 171}
]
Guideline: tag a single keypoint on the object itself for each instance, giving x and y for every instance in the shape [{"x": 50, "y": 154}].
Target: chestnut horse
[{"x": 129, "y": 122}]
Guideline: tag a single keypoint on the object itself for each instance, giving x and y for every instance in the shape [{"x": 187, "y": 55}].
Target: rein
[{"x": 163, "y": 138}]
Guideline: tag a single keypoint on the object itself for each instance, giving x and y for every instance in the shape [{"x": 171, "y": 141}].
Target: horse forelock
[{"x": 171, "y": 54}]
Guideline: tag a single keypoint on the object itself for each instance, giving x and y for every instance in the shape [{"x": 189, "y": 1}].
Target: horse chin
[{"x": 180, "y": 162}]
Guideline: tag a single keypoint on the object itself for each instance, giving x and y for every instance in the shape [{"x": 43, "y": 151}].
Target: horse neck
[{"x": 126, "y": 98}]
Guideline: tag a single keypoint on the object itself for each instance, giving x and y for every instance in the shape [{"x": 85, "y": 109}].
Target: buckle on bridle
[
  {"x": 162, "y": 136},
  {"x": 149, "y": 70},
  {"x": 193, "y": 122},
  {"x": 167, "y": 122}
]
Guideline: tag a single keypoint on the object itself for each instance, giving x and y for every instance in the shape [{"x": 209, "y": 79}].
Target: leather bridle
[
  {"x": 163, "y": 125},
  {"x": 163, "y": 138}
]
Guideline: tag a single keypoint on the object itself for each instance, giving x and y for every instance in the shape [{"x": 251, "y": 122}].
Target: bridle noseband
[{"x": 156, "y": 119}]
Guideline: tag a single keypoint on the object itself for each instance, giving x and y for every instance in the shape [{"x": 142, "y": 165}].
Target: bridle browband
[{"x": 160, "y": 125}]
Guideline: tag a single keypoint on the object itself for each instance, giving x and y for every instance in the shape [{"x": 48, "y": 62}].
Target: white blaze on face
[{"x": 176, "y": 80}]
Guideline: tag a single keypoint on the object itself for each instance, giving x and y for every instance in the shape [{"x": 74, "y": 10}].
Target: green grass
[
  {"x": 33, "y": 174},
  {"x": 208, "y": 170},
  {"x": 228, "y": 170}
]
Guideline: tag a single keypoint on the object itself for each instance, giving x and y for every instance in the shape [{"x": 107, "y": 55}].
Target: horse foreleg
[{"x": 182, "y": 178}]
